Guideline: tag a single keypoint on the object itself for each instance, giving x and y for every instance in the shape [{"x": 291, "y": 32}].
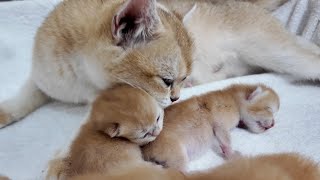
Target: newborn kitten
[
  {"x": 203, "y": 122},
  {"x": 121, "y": 119},
  {"x": 265, "y": 167}
]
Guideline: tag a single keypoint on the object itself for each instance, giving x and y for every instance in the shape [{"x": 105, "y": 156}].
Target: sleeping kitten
[
  {"x": 265, "y": 167},
  {"x": 118, "y": 124},
  {"x": 203, "y": 122}
]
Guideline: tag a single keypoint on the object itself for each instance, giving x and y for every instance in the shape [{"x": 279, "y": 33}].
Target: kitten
[
  {"x": 84, "y": 47},
  {"x": 264, "y": 167},
  {"x": 203, "y": 122},
  {"x": 118, "y": 124}
]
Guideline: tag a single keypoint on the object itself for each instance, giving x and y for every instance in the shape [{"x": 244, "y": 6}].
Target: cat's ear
[
  {"x": 256, "y": 94},
  {"x": 136, "y": 21},
  {"x": 187, "y": 16},
  {"x": 113, "y": 130}
]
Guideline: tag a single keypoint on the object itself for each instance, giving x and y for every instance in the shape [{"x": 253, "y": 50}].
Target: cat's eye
[
  {"x": 158, "y": 118},
  {"x": 168, "y": 82},
  {"x": 184, "y": 78}
]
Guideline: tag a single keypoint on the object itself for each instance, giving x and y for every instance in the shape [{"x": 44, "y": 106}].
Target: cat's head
[
  {"x": 257, "y": 113},
  {"x": 151, "y": 48},
  {"x": 127, "y": 112}
]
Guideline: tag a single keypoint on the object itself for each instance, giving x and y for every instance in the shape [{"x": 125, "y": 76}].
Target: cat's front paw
[{"x": 5, "y": 119}]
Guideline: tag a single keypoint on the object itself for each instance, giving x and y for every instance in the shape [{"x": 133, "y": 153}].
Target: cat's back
[
  {"x": 94, "y": 152},
  {"x": 186, "y": 115}
]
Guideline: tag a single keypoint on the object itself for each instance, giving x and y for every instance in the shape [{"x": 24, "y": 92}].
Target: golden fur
[
  {"x": 264, "y": 167},
  {"x": 196, "y": 125},
  {"x": 118, "y": 116}
]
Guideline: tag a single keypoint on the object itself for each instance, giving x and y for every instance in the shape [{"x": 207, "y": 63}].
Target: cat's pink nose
[
  {"x": 173, "y": 99},
  {"x": 270, "y": 125}
]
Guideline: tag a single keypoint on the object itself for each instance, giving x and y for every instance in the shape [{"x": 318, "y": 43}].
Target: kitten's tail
[{"x": 28, "y": 99}]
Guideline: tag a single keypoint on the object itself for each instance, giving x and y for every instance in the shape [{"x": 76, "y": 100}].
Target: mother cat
[{"x": 85, "y": 46}]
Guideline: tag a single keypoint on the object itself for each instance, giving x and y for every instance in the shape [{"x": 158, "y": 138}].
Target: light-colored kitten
[
  {"x": 84, "y": 47},
  {"x": 265, "y": 167},
  {"x": 118, "y": 116},
  {"x": 196, "y": 125}
]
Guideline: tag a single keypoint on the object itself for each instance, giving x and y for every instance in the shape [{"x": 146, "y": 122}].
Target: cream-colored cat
[
  {"x": 110, "y": 140},
  {"x": 201, "y": 123},
  {"x": 86, "y": 46},
  {"x": 265, "y": 167},
  {"x": 239, "y": 38}
]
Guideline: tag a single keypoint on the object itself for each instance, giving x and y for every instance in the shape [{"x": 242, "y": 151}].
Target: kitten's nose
[
  {"x": 155, "y": 132},
  {"x": 173, "y": 99}
]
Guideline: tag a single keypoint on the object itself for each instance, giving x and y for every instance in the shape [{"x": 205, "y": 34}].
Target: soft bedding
[{"x": 27, "y": 146}]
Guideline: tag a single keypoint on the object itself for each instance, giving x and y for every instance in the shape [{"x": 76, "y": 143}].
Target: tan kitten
[
  {"x": 84, "y": 47},
  {"x": 265, "y": 167},
  {"x": 118, "y": 116},
  {"x": 203, "y": 122}
]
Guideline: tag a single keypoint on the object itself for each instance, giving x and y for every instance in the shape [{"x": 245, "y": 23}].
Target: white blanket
[{"x": 26, "y": 146}]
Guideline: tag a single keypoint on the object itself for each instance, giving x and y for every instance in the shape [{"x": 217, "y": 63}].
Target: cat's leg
[
  {"x": 28, "y": 99},
  {"x": 224, "y": 142},
  {"x": 277, "y": 50}
]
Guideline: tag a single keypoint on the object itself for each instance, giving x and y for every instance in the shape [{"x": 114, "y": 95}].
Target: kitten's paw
[
  {"x": 159, "y": 162},
  {"x": 5, "y": 119},
  {"x": 234, "y": 155}
]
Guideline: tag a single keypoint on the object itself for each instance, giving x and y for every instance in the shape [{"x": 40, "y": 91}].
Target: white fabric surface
[
  {"x": 26, "y": 146},
  {"x": 301, "y": 17}
]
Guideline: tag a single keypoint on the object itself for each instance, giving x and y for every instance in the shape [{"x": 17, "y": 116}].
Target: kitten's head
[
  {"x": 127, "y": 112},
  {"x": 151, "y": 49},
  {"x": 259, "y": 109}
]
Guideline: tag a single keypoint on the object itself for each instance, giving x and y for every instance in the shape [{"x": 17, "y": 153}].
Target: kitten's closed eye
[
  {"x": 147, "y": 134},
  {"x": 158, "y": 118}
]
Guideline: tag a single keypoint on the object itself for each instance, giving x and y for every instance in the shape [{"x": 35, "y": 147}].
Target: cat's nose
[{"x": 173, "y": 99}]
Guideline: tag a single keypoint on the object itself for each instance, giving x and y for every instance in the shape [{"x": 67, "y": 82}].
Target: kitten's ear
[
  {"x": 113, "y": 130},
  {"x": 256, "y": 94},
  {"x": 136, "y": 21}
]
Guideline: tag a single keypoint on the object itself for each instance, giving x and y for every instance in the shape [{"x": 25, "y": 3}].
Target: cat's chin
[{"x": 143, "y": 142}]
